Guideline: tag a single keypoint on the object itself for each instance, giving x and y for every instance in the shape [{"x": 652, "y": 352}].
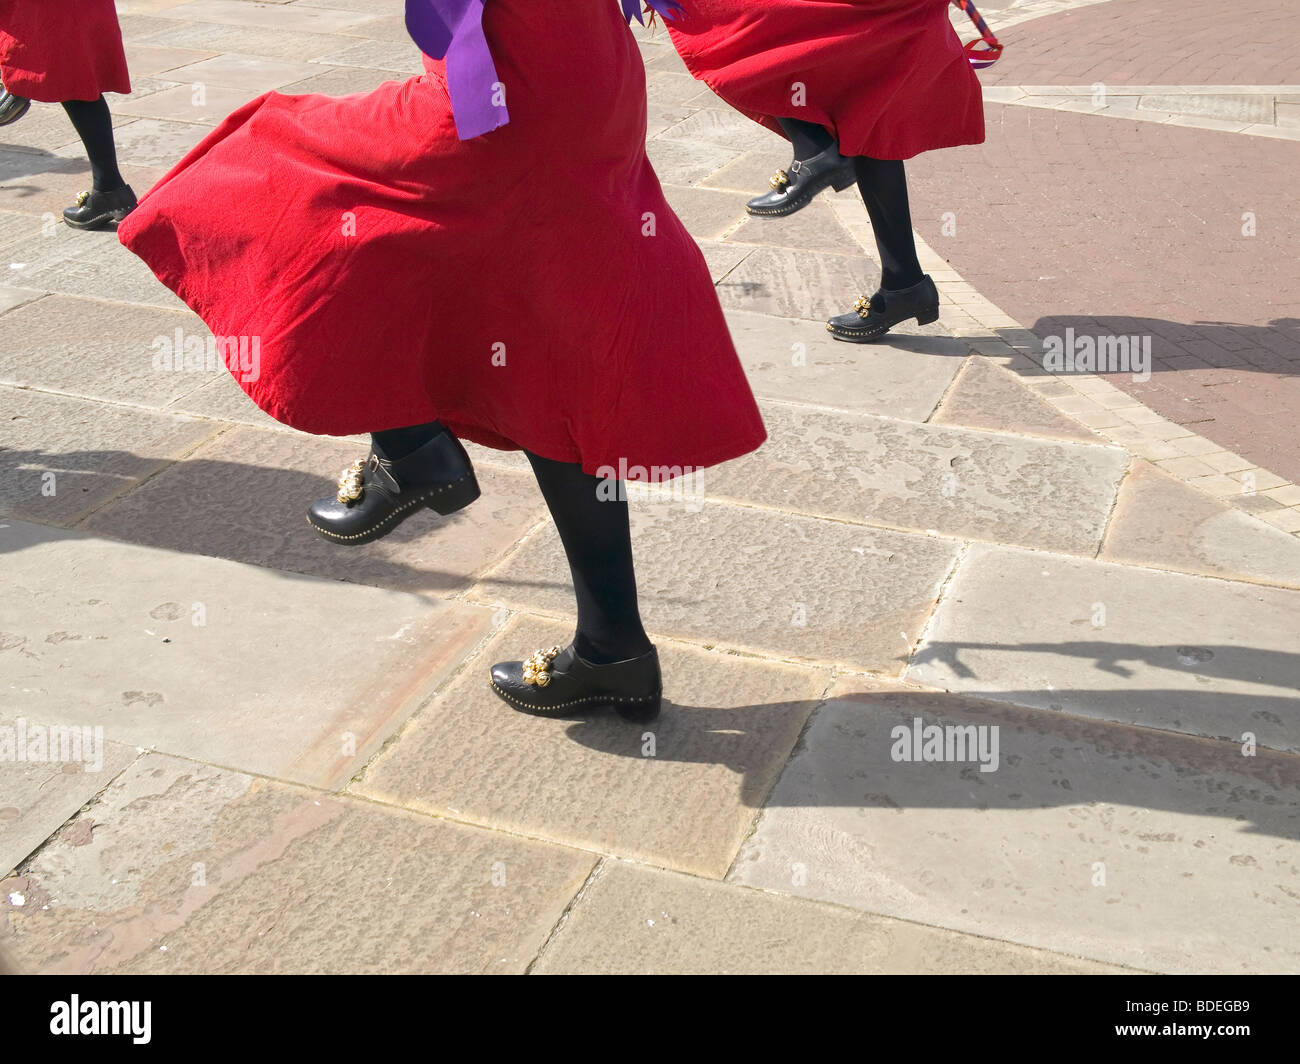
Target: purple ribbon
[
  {"x": 670, "y": 9},
  {"x": 453, "y": 30}
]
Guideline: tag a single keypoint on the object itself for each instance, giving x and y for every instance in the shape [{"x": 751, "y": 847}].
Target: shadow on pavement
[
  {"x": 1272, "y": 348},
  {"x": 1045, "y": 759}
]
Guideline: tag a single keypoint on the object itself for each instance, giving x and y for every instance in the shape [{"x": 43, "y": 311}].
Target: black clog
[
  {"x": 13, "y": 107},
  {"x": 376, "y": 495},
  {"x": 558, "y": 682},
  {"x": 794, "y": 190},
  {"x": 95, "y": 209},
  {"x": 875, "y": 315}
]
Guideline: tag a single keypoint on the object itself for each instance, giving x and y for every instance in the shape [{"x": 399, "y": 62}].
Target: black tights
[
  {"x": 94, "y": 125},
  {"x": 598, "y": 543},
  {"x": 807, "y": 138},
  {"x": 883, "y": 184},
  {"x": 597, "y": 539}
]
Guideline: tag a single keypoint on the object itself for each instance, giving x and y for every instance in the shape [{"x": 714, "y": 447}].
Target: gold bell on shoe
[
  {"x": 779, "y": 180},
  {"x": 537, "y": 669},
  {"x": 350, "y": 483}
]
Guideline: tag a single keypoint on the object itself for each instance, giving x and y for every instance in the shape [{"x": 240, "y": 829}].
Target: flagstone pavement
[{"x": 303, "y": 767}]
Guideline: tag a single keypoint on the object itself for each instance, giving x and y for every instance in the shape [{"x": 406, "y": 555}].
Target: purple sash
[{"x": 453, "y": 30}]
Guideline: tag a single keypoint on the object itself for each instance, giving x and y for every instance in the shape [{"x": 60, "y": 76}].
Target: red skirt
[
  {"x": 56, "y": 50},
  {"x": 528, "y": 288},
  {"x": 887, "y": 77}
]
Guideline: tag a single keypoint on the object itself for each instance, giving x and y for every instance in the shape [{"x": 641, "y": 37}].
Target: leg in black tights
[
  {"x": 883, "y": 185},
  {"x": 396, "y": 444},
  {"x": 807, "y": 138},
  {"x": 598, "y": 543},
  {"x": 94, "y": 125}
]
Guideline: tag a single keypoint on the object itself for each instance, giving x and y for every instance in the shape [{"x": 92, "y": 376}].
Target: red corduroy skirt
[
  {"x": 887, "y": 77},
  {"x": 529, "y": 288},
  {"x": 56, "y": 50}
]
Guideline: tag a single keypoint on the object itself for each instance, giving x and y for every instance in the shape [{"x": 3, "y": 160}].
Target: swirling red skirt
[
  {"x": 888, "y": 77},
  {"x": 56, "y": 50},
  {"x": 529, "y": 288}
]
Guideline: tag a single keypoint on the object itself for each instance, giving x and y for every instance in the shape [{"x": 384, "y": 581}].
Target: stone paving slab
[
  {"x": 670, "y": 87},
  {"x": 715, "y": 125},
  {"x": 121, "y": 352},
  {"x": 197, "y": 102},
  {"x": 189, "y": 868},
  {"x": 904, "y": 377},
  {"x": 147, "y": 59},
  {"x": 632, "y": 920},
  {"x": 251, "y": 73},
  {"x": 11, "y": 297},
  {"x": 63, "y": 457},
  {"x": 36, "y": 797},
  {"x": 281, "y": 17},
  {"x": 159, "y": 142},
  {"x": 136, "y": 22},
  {"x": 1093, "y": 639},
  {"x": 214, "y": 37},
  {"x": 722, "y": 258},
  {"x": 370, "y": 7},
  {"x": 684, "y": 162},
  {"x": 208, "y": 659},
  {"x": 15, "y": 227},
  {"x": 1129, "y": 846},
  {"x": 220, "y": 398},
  {"x": 1162, "y": 523},
  {"x": 985, "y": 396},
  {"x": 245, "y": 497},
  {"x": 1239, "y": 108},
  {"x": 388, "y": 28},
  {"x": 661, "y": 117},
  {"x": 144, "y": 86},
  {"x": 815, "y": 228},
  {"x": 342, "y": 81},
  {"x": 668, "y": 59},
  {"x": 81, "y": 263},
  {"x": 707, "y": 213},
  {"x": 798, "y": 284},
  {"x": 956, "y": 482},
  {"x": 757, "y": 580},
  {"x": 679, "y": 792},
  {"x": 751, "y": 171},
  {"x": 44, "y": 184},
  {"x": 42, "y": 129},
  {"x": 401, "y": 57}
]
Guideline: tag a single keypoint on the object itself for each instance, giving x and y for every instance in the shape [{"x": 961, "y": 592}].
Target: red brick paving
[
  {"x": 1155, "y": 42},
  {"x": 1117, "y": 227}
]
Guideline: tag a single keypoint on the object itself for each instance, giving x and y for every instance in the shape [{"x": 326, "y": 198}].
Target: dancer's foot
[
  {"x": 95, "y": 209},
  {"x": 873, "y": 316},
  {"x": 558, "y": 682},
  {"x": 12, "y": 107},
  {"x": 376, "y": 495},
  {"x": 794, "y": 190}
]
